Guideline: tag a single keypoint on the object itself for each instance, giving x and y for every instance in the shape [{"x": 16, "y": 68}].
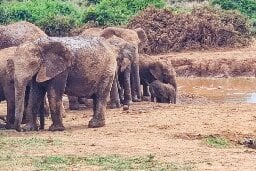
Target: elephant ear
[
  {"x": 141, "y": 34},
  {"x": 109, "y": 32},
  {"x": 156, "y": 71},
  {"x": 56, "y": 58}
]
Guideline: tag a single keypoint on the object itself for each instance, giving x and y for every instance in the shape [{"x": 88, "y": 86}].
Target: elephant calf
[{"x": 164, "y": 93}]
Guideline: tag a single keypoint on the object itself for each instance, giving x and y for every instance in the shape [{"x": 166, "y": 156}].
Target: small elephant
[
  {"x": 76, "y": 66},
  {"x": 152, "y": 69},
  {"x": 164, "y": 93}
]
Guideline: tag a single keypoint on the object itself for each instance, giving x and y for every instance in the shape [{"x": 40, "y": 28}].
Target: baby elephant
[{"x": 164, "y": 93}]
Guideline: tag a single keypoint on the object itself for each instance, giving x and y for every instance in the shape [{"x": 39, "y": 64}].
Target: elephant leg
[
  {"x": 152, "y": 99},
  {"x": 127, "y": 89},
  {"x": 9, "y": 94},
  {"x": 43, "y": 112},
  {"x": 81, "y": 100},
  {"x": 36, "y": 99},
  {"x": 158, "y": 100},
  {"x": 114, "y": 95},
  {"x": 55, "y": 92},
  {"x": 135, "y": 83},
  {"x": 73, "y": 102},
  {"x": 145, "y": 90},
  {"x": 100, "y": 103}
]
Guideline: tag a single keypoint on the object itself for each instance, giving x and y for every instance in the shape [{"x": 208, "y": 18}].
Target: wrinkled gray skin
[
  {"x": 13, "y": 35},
  {"x": 74, "y": 65},
  {"x": 154, "y": 69},
  {"x": 163, "y": 93}
]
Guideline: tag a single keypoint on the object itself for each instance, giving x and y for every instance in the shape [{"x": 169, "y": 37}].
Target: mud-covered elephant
[
  {"x": 136, "y": 37},
  {"x": 10, "y": 36},
  {"x": 152, "y": 69},
  {"x": 130, "y": 57},
  {"x": 7, "y": 91},
  {"x": 18, "y": 33},
  {"x": 162, "y": 92},
  {"x": 78, "y": 66}
]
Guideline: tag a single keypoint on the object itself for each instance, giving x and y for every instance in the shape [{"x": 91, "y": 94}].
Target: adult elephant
[
  {"x": 11, "y": 36},
  {"x": 136, "y": 37},
  {"x": 152, "y": 69},
  {"x": 129, "y": 54},
  {"x": 78, "y": 66},
  {"x": 18, "y": 33}
]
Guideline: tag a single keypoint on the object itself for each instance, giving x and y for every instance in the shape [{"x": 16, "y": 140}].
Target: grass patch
[
  {"x": 217, "y": 142},
  {"x": 14, "y": 142},
  {"x": 109, "y": 162}
]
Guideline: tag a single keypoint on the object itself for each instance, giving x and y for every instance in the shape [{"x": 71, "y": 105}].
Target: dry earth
[{"x": 177, "y": 134}]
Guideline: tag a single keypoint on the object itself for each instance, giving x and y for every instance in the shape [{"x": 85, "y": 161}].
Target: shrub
[
  {"x": 201, "y": 28},
  {"x": 117, "y": 12},
  {"x": 247, "y": 7},
  {"x": 50, "y": 15}
]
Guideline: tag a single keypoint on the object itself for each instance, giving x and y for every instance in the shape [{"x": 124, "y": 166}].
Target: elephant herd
[{"x": 97, "y": 64}]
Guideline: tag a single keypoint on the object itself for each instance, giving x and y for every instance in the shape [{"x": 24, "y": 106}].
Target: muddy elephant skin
[
  {"x": 163, "y": 93},
  {"x": 127, "y": 56},
  {"x": 18, "y": 33},
  {"x": 152, "y": 69},
  {"x": 78, "y": 66}
]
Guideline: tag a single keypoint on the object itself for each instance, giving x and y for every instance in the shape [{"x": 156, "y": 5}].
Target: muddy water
[{"x": 221, "y": 89}]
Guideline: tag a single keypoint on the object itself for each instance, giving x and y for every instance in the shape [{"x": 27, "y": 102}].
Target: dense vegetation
[{"x": 59, "y": 17}]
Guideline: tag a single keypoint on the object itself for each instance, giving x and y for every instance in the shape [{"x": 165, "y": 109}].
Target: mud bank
[{"x": 216, "y": 63}]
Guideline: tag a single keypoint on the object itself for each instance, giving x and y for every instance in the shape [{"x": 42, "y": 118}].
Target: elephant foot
[
  {"x": 30, "y": 127},
  {"x": 126, "y": 107},
  {"x": 115, "y": 105},
  {"x": 58, "y": 127},
  {"x": 136, "y": 100},
  {"x": 9, "y": 126},
  {"x": 74, "y": 107},
  {"x": 96, "y": 123}
]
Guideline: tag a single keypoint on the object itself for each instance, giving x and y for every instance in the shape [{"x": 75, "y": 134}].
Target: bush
[
  {"x": 50, "y": 15},
  {"x": 247, "y": 7},
  {"x": 117, "y": 12},
  {"x": 201, "y": 28}
]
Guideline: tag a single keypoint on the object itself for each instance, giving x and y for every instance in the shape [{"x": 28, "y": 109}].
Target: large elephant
[
  {"x": 78, "y": 66},
  {"x": 136, "y": 37},
  {"x": 7, "y": 91},
  {"x": 152, "y": 69},
  {"x": 18, "y": 33},
  {"x": 122, "y": 77},
  {"x": 13, "y": 35}
]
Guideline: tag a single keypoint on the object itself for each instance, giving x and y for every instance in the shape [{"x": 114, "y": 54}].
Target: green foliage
[
  {"x": 117, "y": 12},
  {"x": 247, "y": 7},
  {"x": 50, "y": 15}
]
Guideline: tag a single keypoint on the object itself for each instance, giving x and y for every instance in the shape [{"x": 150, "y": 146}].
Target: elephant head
[
  {"x": 36, "y": 59},
  {"x": 163, "y": 72}
]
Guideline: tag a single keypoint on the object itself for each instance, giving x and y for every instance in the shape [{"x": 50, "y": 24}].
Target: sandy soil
[{"x": 173, "y": 133}]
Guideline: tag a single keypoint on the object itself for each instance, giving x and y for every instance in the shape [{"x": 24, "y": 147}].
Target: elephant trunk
[{"x": 20, "y": 88}]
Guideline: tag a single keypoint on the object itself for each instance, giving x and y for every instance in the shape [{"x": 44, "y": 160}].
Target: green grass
[
  {"x": 217, "y": 142},
  {"x": 109, "y": 162}
]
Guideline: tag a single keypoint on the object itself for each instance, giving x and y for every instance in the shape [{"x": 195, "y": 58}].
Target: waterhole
[{"x": 221, "y": 89}]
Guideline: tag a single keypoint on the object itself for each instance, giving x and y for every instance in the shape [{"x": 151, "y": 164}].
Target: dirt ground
[{"x": 172, "y": 133}]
